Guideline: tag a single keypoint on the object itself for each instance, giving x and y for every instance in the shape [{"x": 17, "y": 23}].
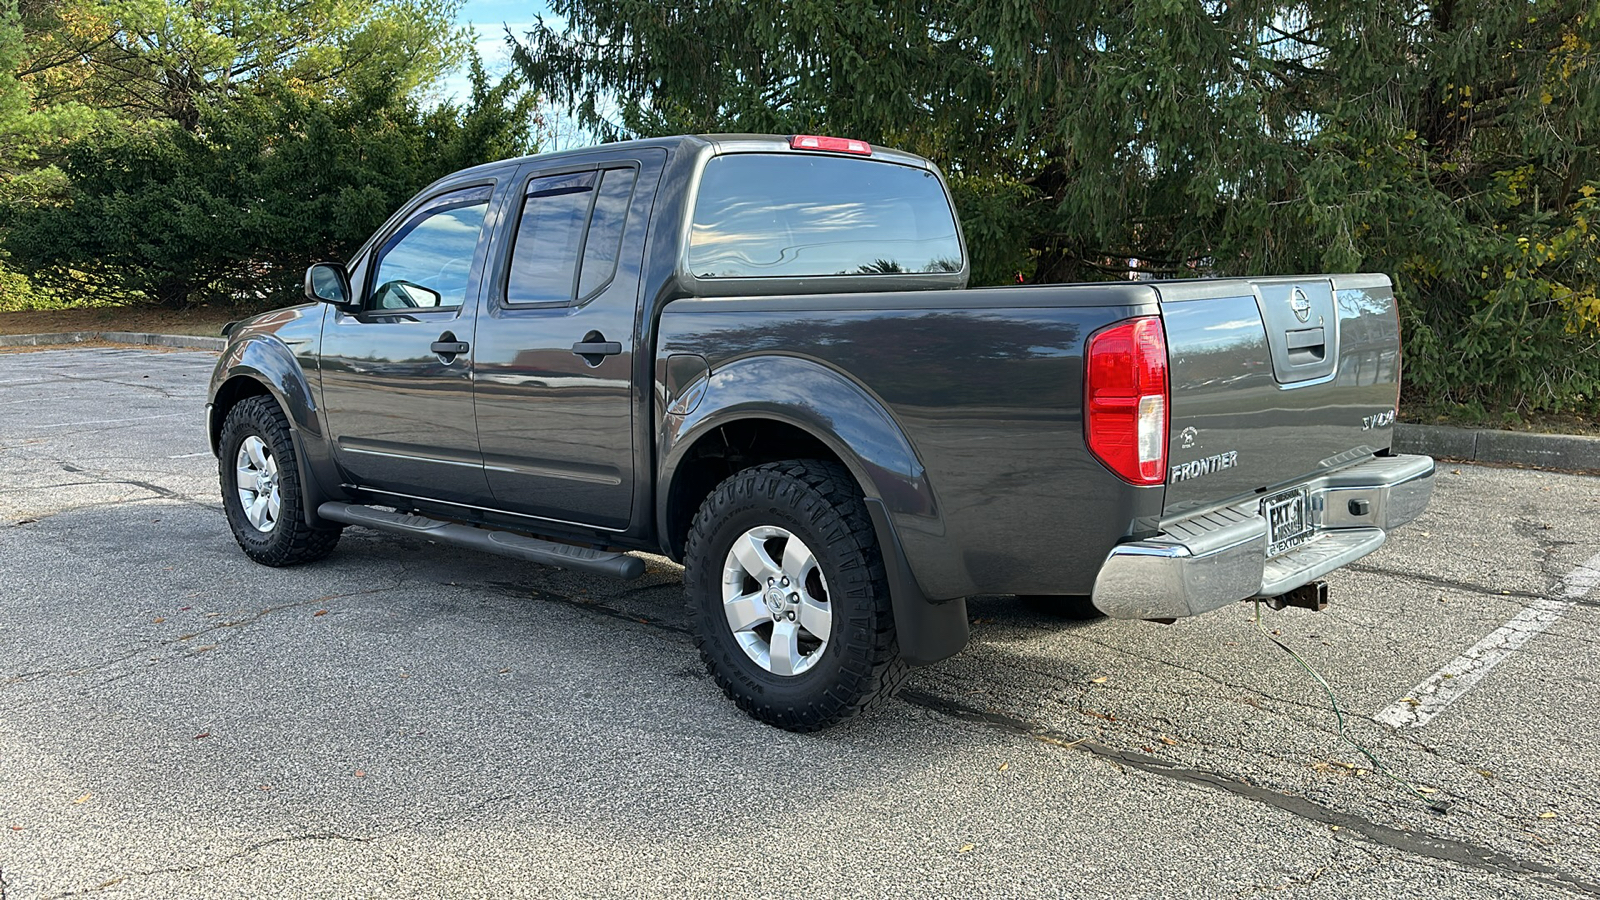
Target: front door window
[{"x": 427, "y": 264}]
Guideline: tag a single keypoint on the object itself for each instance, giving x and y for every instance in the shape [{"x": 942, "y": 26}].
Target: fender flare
[
  {"x": 271, "y": 364},
  {"x": 858, "y": 428}
]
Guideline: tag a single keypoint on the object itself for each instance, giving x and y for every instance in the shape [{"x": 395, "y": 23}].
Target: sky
[{"x": 487, "y": 19}]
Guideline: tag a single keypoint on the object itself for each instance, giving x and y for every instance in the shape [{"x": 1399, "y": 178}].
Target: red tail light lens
[
  {"x": 1125, "y": 399},
  {"x": 834, "y": 144}
]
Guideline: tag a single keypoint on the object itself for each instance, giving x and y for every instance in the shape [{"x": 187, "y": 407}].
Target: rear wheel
[
  {"x": 788, "y": 595},
  {"x": 261, "y": 491}
]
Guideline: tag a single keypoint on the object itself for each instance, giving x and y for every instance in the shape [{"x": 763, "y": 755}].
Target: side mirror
[{"x": 327, "y": 282}]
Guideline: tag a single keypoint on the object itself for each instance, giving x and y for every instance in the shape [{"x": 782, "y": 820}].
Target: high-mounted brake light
[
  {"x": 1125, "y": 399},
  {"x": 836, "y": 145}
]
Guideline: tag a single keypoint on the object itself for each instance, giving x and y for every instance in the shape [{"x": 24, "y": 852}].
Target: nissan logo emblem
[{"x": 1300, "y": 305}]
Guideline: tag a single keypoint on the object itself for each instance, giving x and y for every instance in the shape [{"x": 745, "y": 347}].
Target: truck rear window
[{"x": 763, "y": 215}]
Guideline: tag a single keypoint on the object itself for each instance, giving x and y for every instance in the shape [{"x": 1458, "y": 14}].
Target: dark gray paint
[
  {"x": 959, "y": 411},
  {"x": 1233, "y": 384}
]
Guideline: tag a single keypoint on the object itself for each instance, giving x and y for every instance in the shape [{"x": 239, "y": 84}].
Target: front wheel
[
  {"x": 788, "y": 596},
  {"x": 261, "y": 491}
]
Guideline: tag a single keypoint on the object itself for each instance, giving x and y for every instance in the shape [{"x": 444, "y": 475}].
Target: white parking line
[
  {"x": 190, "y": 455},
  {"x": 1447, "y": 685},
  {"x": 113, "y": 421}
]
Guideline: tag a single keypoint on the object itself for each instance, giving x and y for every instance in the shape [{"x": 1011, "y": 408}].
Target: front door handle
[
  {"x": 447, "y": 348},
  {"x": 597, "y": 348}
]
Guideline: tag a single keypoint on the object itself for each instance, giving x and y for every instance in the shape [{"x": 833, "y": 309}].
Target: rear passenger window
[{"x": 567, "y": 220}]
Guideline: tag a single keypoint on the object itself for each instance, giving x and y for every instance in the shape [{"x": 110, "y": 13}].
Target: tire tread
[{"x": 871, "y": 671}]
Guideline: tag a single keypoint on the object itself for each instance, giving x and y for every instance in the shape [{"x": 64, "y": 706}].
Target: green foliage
[
  {"x": 264, "y": 184},
  {"x": 1449, "y": 144}
]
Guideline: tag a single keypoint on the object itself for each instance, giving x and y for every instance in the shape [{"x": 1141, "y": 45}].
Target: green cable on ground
[{"x": 1438, "y": 806}]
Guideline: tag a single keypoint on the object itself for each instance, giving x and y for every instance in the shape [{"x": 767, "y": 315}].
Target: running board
[{"x": 502, "y": 543}]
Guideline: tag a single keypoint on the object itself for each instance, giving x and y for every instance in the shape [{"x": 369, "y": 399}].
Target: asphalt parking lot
[{"x": 409, "y": 720}]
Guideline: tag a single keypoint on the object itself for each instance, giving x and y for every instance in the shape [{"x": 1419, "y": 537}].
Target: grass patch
[{"x": 200, "y": 320}]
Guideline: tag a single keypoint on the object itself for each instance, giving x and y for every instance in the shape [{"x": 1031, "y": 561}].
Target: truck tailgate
[{"x": 1275, "y": 381}]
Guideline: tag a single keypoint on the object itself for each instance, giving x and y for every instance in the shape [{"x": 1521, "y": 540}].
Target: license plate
[{"x": 1287, "y": 524}]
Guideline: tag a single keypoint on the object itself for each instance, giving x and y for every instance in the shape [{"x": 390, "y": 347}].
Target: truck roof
[{"x": 723, "y": 143}]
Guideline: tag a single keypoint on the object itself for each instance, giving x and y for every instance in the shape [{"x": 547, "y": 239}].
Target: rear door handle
[
  {"x": 597, "y": 348},
  {"x": 448, "y": 348}
]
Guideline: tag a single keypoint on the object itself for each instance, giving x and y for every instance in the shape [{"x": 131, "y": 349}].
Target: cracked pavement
[{"x": 410, "y": 720}]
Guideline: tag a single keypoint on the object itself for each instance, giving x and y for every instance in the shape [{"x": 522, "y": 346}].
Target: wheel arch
[
  {"x": 262, "y": 365},
  {"x": 770, "y": 408}
]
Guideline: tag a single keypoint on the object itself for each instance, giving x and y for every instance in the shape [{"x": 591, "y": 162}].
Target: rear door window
[
  {"x": 763, "y": 215},
  {"x": 568, "y": 236}
]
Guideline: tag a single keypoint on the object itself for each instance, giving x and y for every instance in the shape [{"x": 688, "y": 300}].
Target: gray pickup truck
[{"x": 758, "y": 356}]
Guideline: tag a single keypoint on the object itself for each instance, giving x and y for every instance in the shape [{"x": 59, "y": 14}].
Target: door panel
[
  {"x": 397, "y": 375},
  {"x": 553, "y": 378}
]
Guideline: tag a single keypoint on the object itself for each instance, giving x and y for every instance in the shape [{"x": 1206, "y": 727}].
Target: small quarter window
[{"x": 604, "y": 243}]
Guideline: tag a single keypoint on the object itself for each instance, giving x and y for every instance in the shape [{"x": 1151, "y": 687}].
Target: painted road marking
[
  {"x": 114, "y": 421},
  {"x": 1447, "y": 685},
  {"x": 190, "y": 455}
]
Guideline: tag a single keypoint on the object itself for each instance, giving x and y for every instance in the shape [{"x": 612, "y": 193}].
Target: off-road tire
[
  {"x": 819, "y": 502},
  {"x": 291, "y": 542}
]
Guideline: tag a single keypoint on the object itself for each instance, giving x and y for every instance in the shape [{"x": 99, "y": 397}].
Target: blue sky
[{"x": 487, "y": 19}]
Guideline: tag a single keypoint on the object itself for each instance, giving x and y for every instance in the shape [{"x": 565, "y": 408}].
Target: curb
[
  {"x": 1554, "y": 451},
  {"x": 181, "y": 341}
]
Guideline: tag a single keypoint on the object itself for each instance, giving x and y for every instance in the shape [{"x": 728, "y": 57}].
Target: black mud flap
[{"x": 927, "y": 630}]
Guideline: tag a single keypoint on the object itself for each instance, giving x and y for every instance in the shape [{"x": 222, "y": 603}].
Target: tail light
[{"x": 1125, "y": 399}]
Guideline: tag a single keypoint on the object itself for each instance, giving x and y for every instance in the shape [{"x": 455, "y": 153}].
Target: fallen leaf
[
  {"x": 185, "y": 608},
  {"x": 1004, "y": 766},
  {"x": 966, "y": 847},
  {"x": 158, "y": 620},
  {"x": 1170, "y": 742},
  {"x": 502, "y": 671},
  {"x": 1486, "y": 773},
  {"x": 16, "y": 828},
  {"x": 83, "y": 799},
  {"x": 1100, "y": 680},
  {"x": 202, "y": 735},
  {"x": 265, "y": 787},
  {"x": 1547, "y": 815},
  {"x": 205, "y": 648},
  {"x": 360, "y": 774},
  {"x": 1411, "y": 700},
  {"x": 320, "y": 612},
  {"x": 1427, "y": 790}
]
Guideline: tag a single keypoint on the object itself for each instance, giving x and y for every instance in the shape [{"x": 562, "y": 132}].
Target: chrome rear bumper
[{"x": 1203, "y": 563}]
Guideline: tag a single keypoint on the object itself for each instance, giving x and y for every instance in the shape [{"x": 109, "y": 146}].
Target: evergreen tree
[{"x": 1450, "y": 144}]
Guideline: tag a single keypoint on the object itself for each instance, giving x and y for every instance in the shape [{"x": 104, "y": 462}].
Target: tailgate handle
[{"x": 1306, "y": 345}]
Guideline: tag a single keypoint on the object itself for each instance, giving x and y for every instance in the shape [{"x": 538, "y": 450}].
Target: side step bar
[{"x": 502, "y": 543}]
